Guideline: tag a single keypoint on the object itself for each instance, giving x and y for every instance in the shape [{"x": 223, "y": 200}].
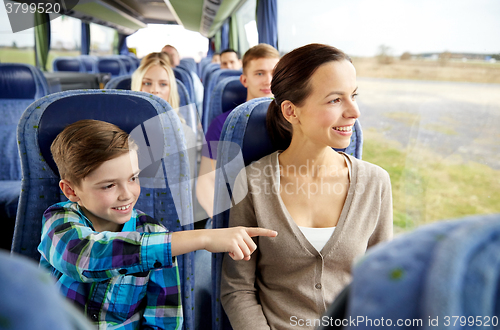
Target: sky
[{"x": 358, "y": 27}]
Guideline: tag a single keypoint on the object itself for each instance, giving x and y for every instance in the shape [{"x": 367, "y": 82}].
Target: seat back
[
  {"x": 210, "y": 67},
  {"x": 112, "y": 65},
  {"x": 432, "y": 273},
  {"x": 189, "y": 64},
  {"x": 130, "y": 64},
  {"x": 121, "y": 82},
  {"x": 212, "y": 80},
  {"x": 74, "y": 64},
  {"x": 245, "y": 139},
  {"x": 89, "y": 62},
  {"x": 20, "y": 85},
  {"x": 227, "y": 95},
  {"x": 165, "y": 192},
  {"x": 202, "y": 64},
  {"x": 183, "y": 75}
]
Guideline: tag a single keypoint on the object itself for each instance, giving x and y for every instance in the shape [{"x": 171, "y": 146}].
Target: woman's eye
[
  {"x": 337, "y": 100},
  {"x": 164, "y": 85},
  {"x": 354, "y": 96},
  {"x": 146, "y": 84}
]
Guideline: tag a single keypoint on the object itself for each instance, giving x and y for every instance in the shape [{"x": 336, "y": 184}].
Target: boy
[
  {"x": 113, "y": 261},
  {"x": 258, "y": 66}
]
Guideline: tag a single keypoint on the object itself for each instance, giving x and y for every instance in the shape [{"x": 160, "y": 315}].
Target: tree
[
  {"x": 384, "y": 55},
  {"x": 405, "y": 56}
]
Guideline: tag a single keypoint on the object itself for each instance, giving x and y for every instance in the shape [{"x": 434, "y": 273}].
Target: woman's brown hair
[{"x": 291, "y": 81}]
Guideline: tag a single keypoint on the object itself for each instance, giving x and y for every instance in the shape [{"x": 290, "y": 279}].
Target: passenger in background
[
  {"x": 328, "y": 207},
  {"x": 173, "y": 55},
  {"x": 155, "y": 76},
  {"x": 258, "y": 65},
  {"x": 230, "y": 59},
  {"x": 111, "y": 260},
  {"x": 216, "y": 58}
]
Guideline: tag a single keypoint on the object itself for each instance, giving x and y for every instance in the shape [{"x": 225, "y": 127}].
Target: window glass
[
  {"x": 102, "y": 40},
  {"x": 65, "y": 38},
  {"x": 15, "y": 47},
  {"x": 247, "y": 27},
  {"x": 429, "y": 95}
]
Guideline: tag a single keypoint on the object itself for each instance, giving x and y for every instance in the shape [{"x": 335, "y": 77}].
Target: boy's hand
[{"x": 236, "y": 241}]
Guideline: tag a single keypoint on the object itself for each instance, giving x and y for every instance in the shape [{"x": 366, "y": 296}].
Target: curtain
[
  {"x": 85, "y": 39},
  {"x": 122, "y": 44},
  {"x": 224, "y": 38},
  {"x": 217, "y": 42},
  {"x": 267, "y": 22},
  {"x": 233, "y": 33},
  {"x": 42, "y": 39}
]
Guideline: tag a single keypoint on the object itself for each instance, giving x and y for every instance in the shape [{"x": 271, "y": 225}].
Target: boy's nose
[{"x": 125, "y": 194}]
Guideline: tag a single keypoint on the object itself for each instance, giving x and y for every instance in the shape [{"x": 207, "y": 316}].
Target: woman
[
  {"x": 327, "y": 207},
  {"x": 155, "y": 76}
]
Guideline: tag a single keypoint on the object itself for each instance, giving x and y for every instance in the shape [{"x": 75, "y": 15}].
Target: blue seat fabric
[{"x": 45, "y": 118}]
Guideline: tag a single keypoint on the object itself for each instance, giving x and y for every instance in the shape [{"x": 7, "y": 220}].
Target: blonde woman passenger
[
  {"x": 327, "y": 206},
  {"x": 156, "y": 76}
]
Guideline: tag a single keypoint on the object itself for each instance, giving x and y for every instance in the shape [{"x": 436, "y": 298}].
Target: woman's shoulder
[
  {"x": 268, "y": 161},
  {"x": 368, "y": 171}
]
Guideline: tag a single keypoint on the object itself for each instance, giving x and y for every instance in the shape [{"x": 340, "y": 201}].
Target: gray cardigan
[{"x": 287, "y": 282}]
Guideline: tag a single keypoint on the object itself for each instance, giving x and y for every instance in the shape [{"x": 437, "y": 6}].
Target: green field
[
  {"x": 427, "y": 188},
  {"x": 10, "y": 55}
]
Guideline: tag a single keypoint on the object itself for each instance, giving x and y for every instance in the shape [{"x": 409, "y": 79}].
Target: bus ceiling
[{"x": 128, "y": 16}]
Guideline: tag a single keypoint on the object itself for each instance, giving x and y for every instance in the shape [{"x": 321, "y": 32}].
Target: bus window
[
  {"x": 65, "y": 38},
  {"x": 103, "y": 40},
  {"x": 429, "y": 101},
  {"x": 247, "y": 27},
  {"x": 15, "y": 47}
]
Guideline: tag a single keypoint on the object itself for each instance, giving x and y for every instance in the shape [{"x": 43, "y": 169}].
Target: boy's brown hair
[
  {"x": 259, "y": 51},
  {"x": 84, "y": 145}
]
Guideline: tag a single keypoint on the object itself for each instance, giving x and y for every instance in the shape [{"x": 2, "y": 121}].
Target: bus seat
[
  {"x": 89, "y": 62},
  {"x": 201, "y": 65},
  {"x": 184, "y": 76},
  {"x": 64, "y": 63},
  {"x": 112, "y": 65},
  {"x": 189, "y": 64},
  {"x": 247, "y": 140},
  {"x": 212, "y": 80},
  {"x": 440, "y": 270},
  {"x": 45, "y": 118},
  {"x": 29, "y": 300},
  {"x": 121, "y": 82},
  {"x": 227, "y": 95},
  {"x": 210, "y": 67},
  {"x": 130, "y": 64},
  {"x": 20, "y": 85}
]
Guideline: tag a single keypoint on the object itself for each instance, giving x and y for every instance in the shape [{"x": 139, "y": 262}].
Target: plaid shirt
[{"x": 122, "y": 280}]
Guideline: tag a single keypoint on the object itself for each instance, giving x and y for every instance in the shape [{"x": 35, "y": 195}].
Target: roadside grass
[
  {"x": 479, "y": 72},
  {"x": 11, "y": 55},
  {"x": 427, "y": 188}
]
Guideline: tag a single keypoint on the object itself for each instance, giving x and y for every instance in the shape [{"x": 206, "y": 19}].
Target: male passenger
[
  {"x": 258, "y": 65},
  {"x": 230, "y": 59},
  {"x": 173, "y": 55},
  {"x": 114, "y": 262}
]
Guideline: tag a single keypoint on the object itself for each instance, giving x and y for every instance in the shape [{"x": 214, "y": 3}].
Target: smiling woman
[{"x": 321, "y": 202}]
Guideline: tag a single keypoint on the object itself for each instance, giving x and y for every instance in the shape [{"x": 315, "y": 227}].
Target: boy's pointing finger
[{"x": 252, "y": 232}]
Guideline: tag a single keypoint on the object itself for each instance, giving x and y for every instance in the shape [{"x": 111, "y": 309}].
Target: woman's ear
[
  {"x": 289, "y": 111},
  {"x": 68, "y": 190}
]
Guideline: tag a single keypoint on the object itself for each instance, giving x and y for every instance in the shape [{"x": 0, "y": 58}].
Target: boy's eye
[
  {"x": 109, "y": 186},
  {"x": 134, "y": 179},
  {"x": 354, "y": 96}
]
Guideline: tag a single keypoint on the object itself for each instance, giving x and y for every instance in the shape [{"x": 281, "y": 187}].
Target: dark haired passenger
[
  {"x": 216, "y": 58},
  {"x": 258, "y": 65},
  {"x": 114, "y": 262},
  {"x": 329, "y": 207},
  {"x": 230, "y": 59}
]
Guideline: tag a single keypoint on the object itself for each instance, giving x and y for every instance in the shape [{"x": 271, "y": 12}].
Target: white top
[{"x": 317, "y": 236}]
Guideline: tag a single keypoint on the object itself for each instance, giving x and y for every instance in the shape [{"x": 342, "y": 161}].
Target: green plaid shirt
[{"x": 121, "y": 280}]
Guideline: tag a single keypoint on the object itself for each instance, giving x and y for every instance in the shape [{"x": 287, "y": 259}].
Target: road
[{"x": 449, "y": 118}]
